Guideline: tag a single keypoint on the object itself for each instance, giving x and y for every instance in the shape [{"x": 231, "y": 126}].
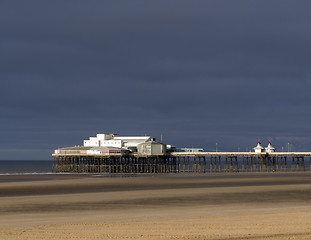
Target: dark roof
[
  {"x": 107, "y": 148},
  {"x": 151, "y": 142},
  {"x": 76, "y": 148}
]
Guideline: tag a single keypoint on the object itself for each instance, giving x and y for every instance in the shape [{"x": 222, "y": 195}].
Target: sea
[{"x": 21, "y": 167}]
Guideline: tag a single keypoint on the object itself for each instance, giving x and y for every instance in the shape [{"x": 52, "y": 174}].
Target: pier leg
[
  {"x": 236, "y": 164},
  {"x": 219, "y": 163},
  {"x": 188, "y": 164},
  {"x": 163, "y": 164},
  {"x": 179, "y": 165},
  {"x": 151, "y": 166},
  {"x": 215, "y": 164},
  {"x": 143, "y": 164},
  {"x": 82, "y": 164},
  {"x": 171, "y": 164},
  {"x": 176, "y": 165},
  {"x": 147, "y": 164},
  {"x": 247, "y": 164},
  {"x": 252, "y": 163},
  {"x": 226, "y": 164},
  {"x": 158, "y": 165},
  {"x": 200, "y": 165},
  {"x": 130, "y": 164},
  {"x": 140, "y": 165},
  {"x": 273, "y": 163},
  {"x": 264, "y": 163},
  {"x": 104, "y": 165},
  {"x": 63, "y": 164},
  {"x": 101, "y": 165},
  {"x": 298, "y": 164},
  {"x": 231, "y": 166},
  {"x": 169, "y": 169}
]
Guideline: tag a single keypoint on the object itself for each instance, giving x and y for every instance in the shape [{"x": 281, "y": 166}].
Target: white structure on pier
[
  {"x": 258, "y": 148},
  {"x": 270, "y": 149},
  {"x": 114, "y": 140}
]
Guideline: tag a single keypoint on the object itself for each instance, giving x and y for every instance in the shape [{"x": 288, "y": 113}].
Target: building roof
[
  {"x": 151, "y": 142},
  {"x": 270, "y": 147},
  {"x": 75, "y": 148},
  {"x": 258, "y": 146},
  {"x": 131, "y": 138},
  {"x": 106, "y": 148}
]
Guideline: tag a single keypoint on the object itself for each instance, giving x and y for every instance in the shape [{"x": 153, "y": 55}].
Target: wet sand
[{"x": 217, "y": 206}]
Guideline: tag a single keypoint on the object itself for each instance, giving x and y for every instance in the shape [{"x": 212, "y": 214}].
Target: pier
[{"x": 182, "y": 162}]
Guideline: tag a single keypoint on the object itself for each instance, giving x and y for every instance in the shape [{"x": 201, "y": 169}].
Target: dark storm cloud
[{"x": 198, "y": 72}]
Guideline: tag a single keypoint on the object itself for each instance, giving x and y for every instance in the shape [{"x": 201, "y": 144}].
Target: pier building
[
  {"x": 270, "y": 149},
  {"x": 151, "y": 148},
  {"x": 114, "y": 140},
  {"x": 258, "y": 148}
]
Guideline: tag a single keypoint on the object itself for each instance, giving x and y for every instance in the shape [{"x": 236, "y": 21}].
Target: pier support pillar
[
  {"x": 265, "y": 163},
  {"x": 226, "y": 164},
  {"x": 219, "y": 164},
  {"x": 299, "y": 167},
  {"x": 236, "y": 164},
  {"x": 231, "y": 165},
  {"x": 303, "y": 163}
]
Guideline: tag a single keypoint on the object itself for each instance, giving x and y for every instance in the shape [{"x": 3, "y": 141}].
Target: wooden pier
[{"x": 184, "y": 162}]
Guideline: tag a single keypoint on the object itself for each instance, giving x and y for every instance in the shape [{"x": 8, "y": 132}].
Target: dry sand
[{"x": 218, "y": 206}]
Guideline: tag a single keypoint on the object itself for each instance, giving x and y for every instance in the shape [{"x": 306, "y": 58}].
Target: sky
[{"x": 196, "y": 73}]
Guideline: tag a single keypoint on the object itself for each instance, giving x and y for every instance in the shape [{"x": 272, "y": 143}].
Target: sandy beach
[{"x": 218, "y": 206}]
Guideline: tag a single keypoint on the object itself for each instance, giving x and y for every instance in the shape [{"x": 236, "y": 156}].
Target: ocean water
[{"x": 8, "y": 167}]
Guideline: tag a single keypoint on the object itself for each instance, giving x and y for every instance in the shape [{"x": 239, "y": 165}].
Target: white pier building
[{"x": 114, "y": 140}]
